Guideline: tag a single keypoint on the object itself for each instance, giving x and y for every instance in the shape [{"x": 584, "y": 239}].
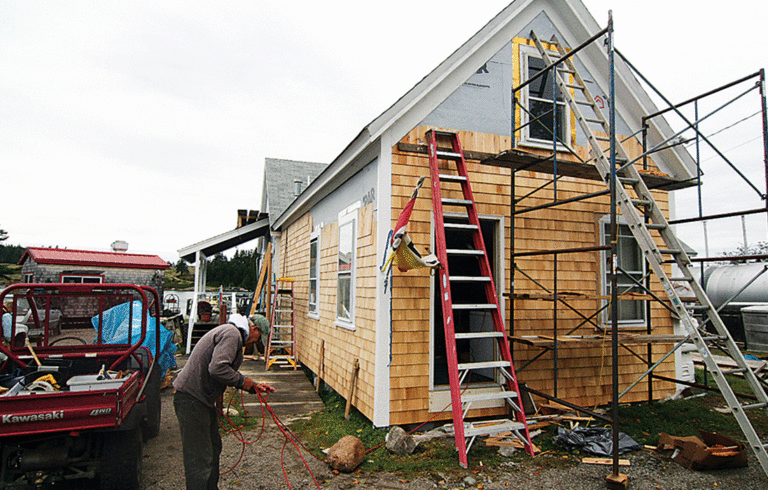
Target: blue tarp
[{"x": 115, "y": 331}]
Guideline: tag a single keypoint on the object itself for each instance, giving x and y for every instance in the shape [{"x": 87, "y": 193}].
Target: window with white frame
[
  {"x": 81, "y": 279},
  {"x": 630, "y": 275},
  {"x": 314, "y": 272},
  {"x": 539, "y": 112},
  {"x": 345, "y": 291},
  {"x": 28, "y": 277}
]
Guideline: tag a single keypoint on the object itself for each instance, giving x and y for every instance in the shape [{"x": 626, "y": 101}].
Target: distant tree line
[
  {"x": 10, "y": 254},
  {"x": 237, "y": 272}
]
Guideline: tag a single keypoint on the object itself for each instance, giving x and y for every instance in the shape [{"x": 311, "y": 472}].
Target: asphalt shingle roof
[{"x": 280, "y": 176}]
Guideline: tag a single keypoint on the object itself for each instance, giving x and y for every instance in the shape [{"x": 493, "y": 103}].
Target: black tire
[
  {"x": 120, "y": 464},
  {"x": 150, "y": 427}
]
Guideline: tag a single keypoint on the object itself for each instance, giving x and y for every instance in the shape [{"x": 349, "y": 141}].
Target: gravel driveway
[{"x": 260, "y": 468}]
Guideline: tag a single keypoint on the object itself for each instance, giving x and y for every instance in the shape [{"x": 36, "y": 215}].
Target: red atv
[{"x": 77, "y": 406}]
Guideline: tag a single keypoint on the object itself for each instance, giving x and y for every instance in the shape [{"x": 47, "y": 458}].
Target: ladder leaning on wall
[
  {"x": 633, "y": 195},
  {"x": 281, "y": 343},
  {"x": 499, "y": 362}
]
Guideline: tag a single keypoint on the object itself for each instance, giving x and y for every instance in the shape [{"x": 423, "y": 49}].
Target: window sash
[
  {"x": 629, "y": 257},
  {"x": 313, "y": 262},
  {"x": 76, "y": 279},
  {"x": 537, "y": 99},
  {"x": 345, "y": 270}
]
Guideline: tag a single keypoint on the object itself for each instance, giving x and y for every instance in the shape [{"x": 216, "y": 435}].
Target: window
[
  {"x": 297, "y": 187},
  {"x": 80, "y": 279},
  {"x": 28, "y": 277},
  {"x": 537, "y": 98},
  {"x": 314, "y": 249},
  {"x": 345, "y": 294},
  {"x": 631, "y": 270}
]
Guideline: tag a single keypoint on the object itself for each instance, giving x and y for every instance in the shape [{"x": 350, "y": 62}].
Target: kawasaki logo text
[{"x": 35, "y": 417}]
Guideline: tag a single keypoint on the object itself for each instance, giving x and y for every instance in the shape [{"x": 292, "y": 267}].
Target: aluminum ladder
[
  {"x": 281, "y": 343},
  {"x": 455, "y": 180},
  {"x": 632, "y": 195}
]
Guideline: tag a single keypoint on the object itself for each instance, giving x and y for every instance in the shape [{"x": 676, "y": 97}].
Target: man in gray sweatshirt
[{"x": 212, "y": 366}]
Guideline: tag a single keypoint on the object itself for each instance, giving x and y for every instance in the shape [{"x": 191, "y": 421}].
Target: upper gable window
[{"x": 538, "y": 115}]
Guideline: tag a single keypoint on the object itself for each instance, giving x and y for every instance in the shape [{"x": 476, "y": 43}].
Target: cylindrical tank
[{"x": 721, "y": 283}]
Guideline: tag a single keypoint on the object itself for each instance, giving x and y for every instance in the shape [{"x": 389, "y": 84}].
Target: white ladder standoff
[
  {"x": 281, "y": 344},
  {"x": 455, "y": 178},
  {"x": 633, "y": 194}
]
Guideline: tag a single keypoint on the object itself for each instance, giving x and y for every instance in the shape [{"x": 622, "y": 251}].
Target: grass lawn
[{"x": 641, "y": 421}]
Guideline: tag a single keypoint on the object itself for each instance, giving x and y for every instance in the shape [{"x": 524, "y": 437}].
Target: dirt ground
[{"x": 260, "y": 468}]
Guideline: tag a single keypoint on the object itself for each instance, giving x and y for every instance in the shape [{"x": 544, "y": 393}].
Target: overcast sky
[{"x": 149, "y": 121}]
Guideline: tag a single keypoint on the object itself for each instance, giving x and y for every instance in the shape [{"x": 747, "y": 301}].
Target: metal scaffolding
[{"x": 574, "y": 166}]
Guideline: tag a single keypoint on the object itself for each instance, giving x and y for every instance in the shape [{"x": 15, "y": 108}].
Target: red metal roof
[{"x": 63, "y": 256}]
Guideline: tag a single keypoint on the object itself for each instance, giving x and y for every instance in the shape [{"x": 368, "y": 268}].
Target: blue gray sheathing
[
  {"x": 483, "y": 103},
  {"x": 360, "y": 187}
]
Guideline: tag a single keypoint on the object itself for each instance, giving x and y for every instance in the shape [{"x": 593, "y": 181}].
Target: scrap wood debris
[
  {"x": 605, "y": 461},
  {"x": 511, "y": 440}
]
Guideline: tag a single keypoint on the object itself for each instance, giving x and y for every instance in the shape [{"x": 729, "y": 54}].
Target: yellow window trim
[{"x": 517, "y": 76}]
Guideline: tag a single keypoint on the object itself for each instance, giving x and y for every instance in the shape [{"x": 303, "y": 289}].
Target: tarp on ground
[
  {"x": 597, "y": 441},
  {"x": 115, "y": 331}
]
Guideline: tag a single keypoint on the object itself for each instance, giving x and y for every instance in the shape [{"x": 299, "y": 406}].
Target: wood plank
[{"x": 604, "y": 461}]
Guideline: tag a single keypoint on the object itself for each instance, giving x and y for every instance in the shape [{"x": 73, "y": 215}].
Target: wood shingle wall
[
  {"x": 583, "y": 372},
  {"x": 341, "y": 346}
]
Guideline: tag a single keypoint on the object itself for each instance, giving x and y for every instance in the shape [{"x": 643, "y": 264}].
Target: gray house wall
[{"x": 48, "y": 273}]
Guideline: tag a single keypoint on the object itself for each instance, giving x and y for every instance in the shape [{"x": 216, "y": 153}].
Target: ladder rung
[
  {"x": 474, "y": 306},
  {"x": 596, "y": 121},
  {"x": 452, "y": 178},
  {"x": 754, "y": 405},
  {"x": 482, "y": 397},
  {"x": 479, "y": 335},
  {"x": 282, "y": 326},
  {"x": 501, "y": 426},
  {"x": 443, "y": 132},
  {"x": 640, "y": 202},
  {"x": 585, "y": 102},
  {"x": 483, "y": 365},
  {"x": 602, "y": 138},
  {"x": 470, "y": 279},
  {"x": 714, "y": 337},
  {"x": 628, "y": 180},
  {"x": 281, "y": 342},
  {"x": 699, "y": 307},
  {"x": 735, "y": 371},
  {"x": 669, "y": 251},
  {"x": 570, "y": 85},
  {"x": 681, "y": 279},
  {"x": 456, "y": 202},
  {"x": 656, "y": 226},
  {"x": 458, "y": 226},
  {"x": 461, "y": 251},
  {"x": 448, "y": 155}
]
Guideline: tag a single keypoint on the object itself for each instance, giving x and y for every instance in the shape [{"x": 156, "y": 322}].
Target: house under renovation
[{"x": 531, "y": 241}]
